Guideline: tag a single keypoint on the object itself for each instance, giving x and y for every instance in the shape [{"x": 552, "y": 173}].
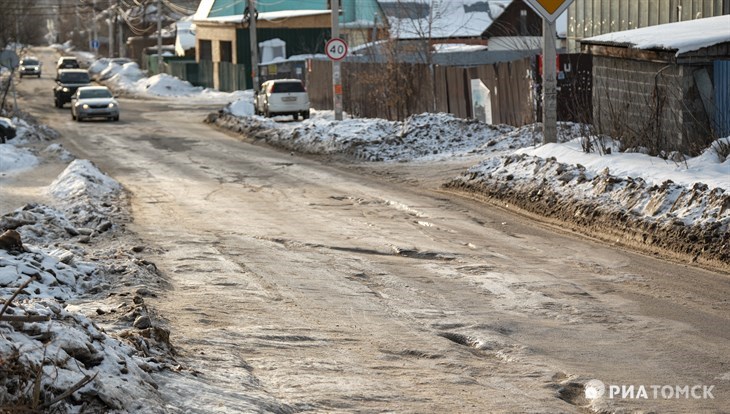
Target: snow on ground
[
  {"x": 130, "y": 80},
  {"x": 58, "y": 268},
  {"x": 14, "y": 157}
]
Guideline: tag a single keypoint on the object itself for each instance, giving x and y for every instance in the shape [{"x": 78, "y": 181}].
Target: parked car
[
  {"x": 29, "y": 66},
  {"x": 67, "y": 62},
  {"x": 67, "y": 81},
  {"x": 282, "y": 97},
  {"x": 94, "y": 102},
  {"x": 7, "y": 129}
]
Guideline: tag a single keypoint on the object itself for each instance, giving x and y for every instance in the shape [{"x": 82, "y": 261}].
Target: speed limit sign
[{"x": 336, "y": 49}]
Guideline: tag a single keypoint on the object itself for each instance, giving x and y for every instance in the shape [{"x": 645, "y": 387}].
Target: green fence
[
  {"x": 205, "y": 73},
  {"x": 231, "y": 77},
  {"x": 186, "y": 70}
]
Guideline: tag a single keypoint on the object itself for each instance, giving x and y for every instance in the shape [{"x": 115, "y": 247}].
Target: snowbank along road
[{"x": 313, "y": 284}]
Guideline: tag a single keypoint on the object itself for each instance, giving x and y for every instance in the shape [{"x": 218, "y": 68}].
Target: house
[
  {"x": 462, "y": 32},
  {"x": 418, "y": 25},
  {"x": 588, "y": 18},
  {"x": 222, "y": 31},
  {"x": 519, "y": 27},
  {"x": 663, "y": 88}
]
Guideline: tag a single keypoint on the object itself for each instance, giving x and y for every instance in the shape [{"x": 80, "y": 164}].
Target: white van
[{"x": 282, "y": 97}]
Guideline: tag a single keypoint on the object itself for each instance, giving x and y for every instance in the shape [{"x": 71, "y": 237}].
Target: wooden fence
[{"x": 396, "y": 91}]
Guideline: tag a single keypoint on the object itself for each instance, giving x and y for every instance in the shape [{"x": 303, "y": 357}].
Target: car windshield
[
  {"x": 29, "y": 62},
  {"x": 74, "y": 77},
  {"x": 95, "y": 93},
  {"x": 283, "y": 87}
]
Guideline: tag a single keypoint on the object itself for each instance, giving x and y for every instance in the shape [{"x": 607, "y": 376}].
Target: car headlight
[
  {"x": 85, "y": 106},
  {"x": 22, "y": 68},
  {"x": 111, "y": 105},
  {"x": 66, "y": 89}
]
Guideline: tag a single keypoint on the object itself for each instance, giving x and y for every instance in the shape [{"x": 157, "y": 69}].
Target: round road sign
[
  {"x": 9, "y": 59},
  {"x": 336, "y": 49}
]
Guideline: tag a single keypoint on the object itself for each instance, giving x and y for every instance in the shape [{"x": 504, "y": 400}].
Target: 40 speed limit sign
[{"x": 336, "y": 49}]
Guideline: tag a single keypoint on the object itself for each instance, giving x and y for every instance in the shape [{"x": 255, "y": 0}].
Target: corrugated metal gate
[
  {"x": 722, "y": 97},
  {"x": 231, "y": 77},
  {"x": 205, "y": 73},
  {"x": 186, "y": 70}
]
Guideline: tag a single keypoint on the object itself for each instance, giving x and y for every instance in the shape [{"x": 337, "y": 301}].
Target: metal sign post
[
  {"x": 336, "y": 78},
  {"x": 549, "y": 10},
  {"x": 549, "y": 84}
]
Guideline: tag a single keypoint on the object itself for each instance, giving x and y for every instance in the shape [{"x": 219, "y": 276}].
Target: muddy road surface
[{"x": 301, "y": 283}]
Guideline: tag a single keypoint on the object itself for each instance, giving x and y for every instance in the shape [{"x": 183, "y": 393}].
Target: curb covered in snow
[{"x": 691, "y": 222}]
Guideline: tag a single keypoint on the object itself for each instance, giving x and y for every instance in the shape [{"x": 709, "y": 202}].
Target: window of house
[
  {"x": 226, "y": 50},
  {"x": 206, "y": 49}
]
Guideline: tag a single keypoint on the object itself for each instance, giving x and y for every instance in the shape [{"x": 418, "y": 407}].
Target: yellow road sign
[{"x": 549, "y": 9}]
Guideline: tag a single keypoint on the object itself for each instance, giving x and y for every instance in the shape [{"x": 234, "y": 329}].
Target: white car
[
  {"x": 94, "y": 102},
  {"x": 30, "y": 66},
  {"x": 282, "y": 97}
]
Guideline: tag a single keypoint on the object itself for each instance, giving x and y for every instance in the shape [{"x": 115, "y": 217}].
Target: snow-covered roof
[
  {"x": 268, "y": 16},
  {"x": 417, "y": 19},
  {"x": 683, "y": 37}
]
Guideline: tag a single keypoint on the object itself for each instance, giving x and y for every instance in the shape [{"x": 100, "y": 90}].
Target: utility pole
[
  {"x": 159, "y": 36},
  {"x": 94, "y": 45},
  {"x": 109, "y": 21},
  {"x": 549, "y": 84},
  {"x": 120, "y": 31},
  {"x": 336, "y": 75},
  {"x": 254, "y": 45}
]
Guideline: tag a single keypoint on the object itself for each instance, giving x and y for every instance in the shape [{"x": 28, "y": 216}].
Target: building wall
[
  {"x": 647, "y": 104},
  {"x": 216, "y": 34},
  {"x": 298, "y": 42},
  {"x": 588, "y": 18}
]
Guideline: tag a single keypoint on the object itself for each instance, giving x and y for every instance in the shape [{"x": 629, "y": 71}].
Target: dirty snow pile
[
  {"x": 630, "y": 198},
  {"x": 13, "y": 156},
  {"x": 129, "y": 79},
  {"x": 66, "y": 279},
  {"x": 424, "y": 137}
]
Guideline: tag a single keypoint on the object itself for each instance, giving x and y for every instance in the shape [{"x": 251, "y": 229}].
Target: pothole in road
[
  {"x": 460, "y": 339},
  {"x": 412, "y": 353},
  {"x": 417, "y": 254},
  {"x": 492, "y": 345},
  {"x": 412, "y": 253}
]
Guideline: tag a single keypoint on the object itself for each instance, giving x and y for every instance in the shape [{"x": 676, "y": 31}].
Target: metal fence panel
[
  {"x": 205, "y": 73},
  {"x": 231, "y": 77},
  {"x": 722, "y": 97}
]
